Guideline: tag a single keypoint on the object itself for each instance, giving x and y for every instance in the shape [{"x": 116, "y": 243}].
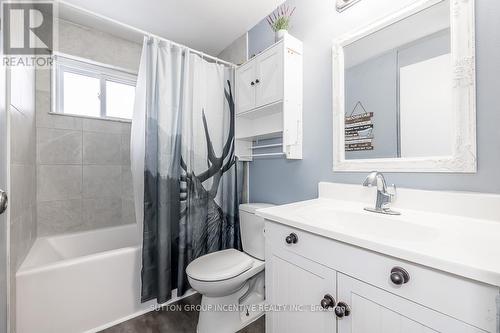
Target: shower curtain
[{"x": 183, "y": 164}]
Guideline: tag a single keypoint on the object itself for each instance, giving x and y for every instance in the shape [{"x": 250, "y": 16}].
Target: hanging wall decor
[{"x": 359, "y": 130}]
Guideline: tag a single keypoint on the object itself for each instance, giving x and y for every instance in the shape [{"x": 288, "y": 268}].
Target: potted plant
[{"x": 279, "y": 21}]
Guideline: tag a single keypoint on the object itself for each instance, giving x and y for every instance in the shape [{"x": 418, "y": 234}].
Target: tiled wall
[
  {"x": 23, "y": 170},
  {"x": 23, "y": 228},
  {"x": 83, "y": 165},
  {"x": 237, "y": 52},
  {"x": 84, "y": 179},
  {"x": 99, "y": 46}
]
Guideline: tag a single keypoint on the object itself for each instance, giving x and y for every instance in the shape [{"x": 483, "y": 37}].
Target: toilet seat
[{"x": 218, "y": 266}]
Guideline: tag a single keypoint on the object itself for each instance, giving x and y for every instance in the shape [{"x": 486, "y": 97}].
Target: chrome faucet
[{"x": 385, "y": 195}]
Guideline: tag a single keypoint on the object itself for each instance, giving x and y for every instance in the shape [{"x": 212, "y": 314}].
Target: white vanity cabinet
[
  {"x": 292, "y": 280},
  {"x": 303, "y": 269},
  {"x": 377, "y": 311},
  {"x": 269, "y": 102}
]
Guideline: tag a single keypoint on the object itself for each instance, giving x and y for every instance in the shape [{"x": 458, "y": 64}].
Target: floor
[{"x": 166, "y": 321}]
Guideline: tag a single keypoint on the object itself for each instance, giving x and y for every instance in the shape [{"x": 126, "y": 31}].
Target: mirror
[
  {"x": 398, "y": 82},
  {"x": 398, "y": 86}
]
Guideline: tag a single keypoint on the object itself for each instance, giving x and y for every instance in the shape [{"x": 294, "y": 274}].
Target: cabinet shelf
[
  {"x": 263, "y": 155},
  {"x": 267, "y": 146},
  {"x": 256, "y": 137},
  {"x": 261, "y": 111}
]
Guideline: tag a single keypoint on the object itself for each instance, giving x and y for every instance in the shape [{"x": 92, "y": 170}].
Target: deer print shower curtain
[{"x": 183, "y": 164}]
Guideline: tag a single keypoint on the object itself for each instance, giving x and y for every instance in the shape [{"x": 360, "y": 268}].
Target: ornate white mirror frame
[{"x": 463, "y": 158}]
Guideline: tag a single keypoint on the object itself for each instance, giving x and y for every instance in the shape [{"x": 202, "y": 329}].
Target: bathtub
[{"x": 80, "y": 282}]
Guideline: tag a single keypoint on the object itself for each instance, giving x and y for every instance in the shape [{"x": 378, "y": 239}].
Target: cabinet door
[
  {"x": 295, "y": 287},
  {"x": 270, "y": 76},
  {"x": 374, "y": 310},
  {"x": 245, "y": 87}
]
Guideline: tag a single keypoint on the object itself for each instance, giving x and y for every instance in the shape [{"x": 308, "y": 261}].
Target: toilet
[{"x": 232, "y": 282}]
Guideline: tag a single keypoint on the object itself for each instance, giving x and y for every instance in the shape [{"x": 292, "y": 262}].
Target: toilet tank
[{"x": 252, "y": 230}]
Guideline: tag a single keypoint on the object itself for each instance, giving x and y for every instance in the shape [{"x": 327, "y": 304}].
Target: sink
[
  {"x": 362, "y": 223},
  {"x": 456, "y": 232}
]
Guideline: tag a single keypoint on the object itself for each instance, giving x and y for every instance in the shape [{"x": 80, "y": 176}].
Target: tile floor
[{"x": 173, "y": 321}]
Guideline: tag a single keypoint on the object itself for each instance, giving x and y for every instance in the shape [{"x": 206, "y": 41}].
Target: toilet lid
[{"x": 221, "y": 265}]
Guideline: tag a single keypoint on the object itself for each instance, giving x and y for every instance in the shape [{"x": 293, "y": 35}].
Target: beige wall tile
[
  {"x": 22, "y": 88},
  {"x": 23, "y": 139},
  {"x": 101, "y": 181},
  {"x": 43, "y": 79},
  {"x": 57, "y": 217},
  {"x": 23, "y": 189},
  {"x": 126, "y": 128},
  {"x": 125, "y": 149},
  {"x": 59, "y": 182},
  {"x": 27, "y": 235},
  {"x": 101, "y": 148},
  {"x": 59, "y": 146},
  {"x": 79, "y": 160},
  {"x": 103, "y": 126},
  {"x": 23, "y": 233},
  {"x": 127, "y": 190},
  {"x": 128, "y": 212},
  {"x": 44, "y": 119},
  {"x": 237, "y": 52},
  {"x": 101, "y": 213},
  {"x": 98, "y": 46}
]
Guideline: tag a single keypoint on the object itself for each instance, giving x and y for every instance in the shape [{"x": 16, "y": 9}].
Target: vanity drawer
[{"x": 466, "y": 300}]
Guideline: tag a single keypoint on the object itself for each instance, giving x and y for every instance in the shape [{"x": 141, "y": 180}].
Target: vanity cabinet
[
  {"x": 377, "y": 311},
  {"x": 269, "y": 102},
  {"x": 306, "y": 283},
  {"x": 303, "y": 268}
]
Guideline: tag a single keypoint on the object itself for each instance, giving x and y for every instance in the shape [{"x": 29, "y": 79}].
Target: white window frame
[{"x": 64, "y": 63}]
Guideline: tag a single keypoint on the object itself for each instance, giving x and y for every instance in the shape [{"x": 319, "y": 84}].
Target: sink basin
[
  {"x": 456, "y": 232},
  {"x": 362, "y": 223}
]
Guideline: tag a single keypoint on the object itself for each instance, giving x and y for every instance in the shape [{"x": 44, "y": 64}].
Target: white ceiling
[{"x": 205, "y": 25}]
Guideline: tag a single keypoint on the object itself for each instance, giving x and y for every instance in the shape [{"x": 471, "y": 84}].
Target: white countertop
[{"x": 452, "y": 241}]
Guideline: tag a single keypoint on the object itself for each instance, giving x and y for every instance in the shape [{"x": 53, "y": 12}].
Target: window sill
[{"x": 117, "y": 120}]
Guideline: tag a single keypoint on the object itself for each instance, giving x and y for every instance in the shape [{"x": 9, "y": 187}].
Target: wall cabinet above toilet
[
  {"x": 260, "y": 81},
  {"x": 269, "y": 102}
]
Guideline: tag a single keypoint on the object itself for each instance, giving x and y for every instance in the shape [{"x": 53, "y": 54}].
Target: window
[
  {"x": 119, "y": 100},
  {"x": 85, "y": 88}
]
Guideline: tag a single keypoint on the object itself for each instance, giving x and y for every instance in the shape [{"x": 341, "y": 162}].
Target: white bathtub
[{"x": 80, "y": 282}]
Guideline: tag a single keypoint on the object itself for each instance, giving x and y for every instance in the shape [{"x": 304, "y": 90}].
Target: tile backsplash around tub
[
  {"x": 83, "y": 178},
  {"x": 83, "y": 171}
]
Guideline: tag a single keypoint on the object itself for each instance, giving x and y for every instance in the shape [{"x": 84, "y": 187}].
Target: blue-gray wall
[
  {"x": 317, "y": 23},
  {"x": 374, "y": 84}
]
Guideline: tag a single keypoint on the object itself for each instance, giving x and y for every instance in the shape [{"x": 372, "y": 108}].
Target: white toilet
[{"x": 232, "y": 282}]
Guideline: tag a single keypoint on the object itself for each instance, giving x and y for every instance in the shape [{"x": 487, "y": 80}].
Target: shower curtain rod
[{"x": 146, "y": 33}]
